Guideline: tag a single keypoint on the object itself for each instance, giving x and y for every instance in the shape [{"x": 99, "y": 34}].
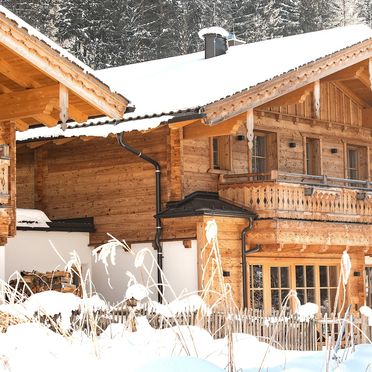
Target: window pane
[
  {"x": 216, "y": 160},
  {"x": 275, "y": 301},
  {"x": 284, "y": 293},
  {"x": 284, "y": 276},
  {"x": 323, "y": 276},
  {"x": 258, "y": 299},
  {"x": 332, "y": 295},
  {"x": 300, "y": 276},
  {"x": 301, "y": 295},
  {"x": 257, "y": 276},
  {"x": 260, "y": 146},
  {"x": 310, "y": 282},
  {"x": 333, "y": 278},
  {"x": 324, "y": 302},
  {"x": 274, "y": 274},
  {"x": 310, "y": 295},
  {"x": 353, "y": 162}
]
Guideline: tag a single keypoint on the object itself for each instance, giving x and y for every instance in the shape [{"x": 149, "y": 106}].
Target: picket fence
[{"x": 287, "y": 332}]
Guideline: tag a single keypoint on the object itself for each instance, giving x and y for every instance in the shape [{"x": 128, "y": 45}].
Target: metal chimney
[{"x": 215, "y": 41}]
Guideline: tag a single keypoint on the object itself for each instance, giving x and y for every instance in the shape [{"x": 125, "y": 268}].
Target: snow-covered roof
[
  {"x": 191, "y": 81},
  {"x": 162, "y": 88},
  {"x": 100, "y": 127},
  {"x": 50, "y": 43},
  {"x": 31, "y": 218}
]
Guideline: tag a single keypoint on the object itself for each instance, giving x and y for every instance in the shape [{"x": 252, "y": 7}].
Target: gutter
[
  {"x": 245, "y": 252},
  {"x": 158, "y": 246}
]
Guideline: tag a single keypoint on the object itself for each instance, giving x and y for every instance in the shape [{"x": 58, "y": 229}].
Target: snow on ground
[{"x": 33, "y": 347}]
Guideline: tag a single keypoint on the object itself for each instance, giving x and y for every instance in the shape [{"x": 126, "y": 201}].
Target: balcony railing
[{"x": 300, "y": 196}]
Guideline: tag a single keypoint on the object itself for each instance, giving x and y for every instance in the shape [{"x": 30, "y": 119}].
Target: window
[
  {"x": 269, "y": 284},
  {"x": 368, "y": 285},
  {"x": 279, "y": 286},
  {"x": 221, "y": 152},
  {"x": 328, "y": 288},
  {"x": 357, "y": 162},
  {"x": 259, "y": 154},
  {"x": 256, "y": 287},
  {"x": 352, "y": 163},
  {"x": 313, "y": 156}
]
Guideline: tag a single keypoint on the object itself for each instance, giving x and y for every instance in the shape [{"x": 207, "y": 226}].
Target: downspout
[
  {"x": 158, "y": 246},
  {"x": 245, "y": 252}
]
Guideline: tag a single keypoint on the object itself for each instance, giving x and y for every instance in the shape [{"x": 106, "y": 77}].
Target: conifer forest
[{"x": 105, "y": 33}]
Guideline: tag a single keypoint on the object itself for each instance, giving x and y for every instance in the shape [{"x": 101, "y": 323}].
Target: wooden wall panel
[
  {"x": 333, "y": 163},
  {"x": 291, "y": 158},
  {"x": 98, "y": 178},
  {"x": 336, "y": 105},
  {"x": 196, "y": 155},
  {"x": 25, "y": 178}
]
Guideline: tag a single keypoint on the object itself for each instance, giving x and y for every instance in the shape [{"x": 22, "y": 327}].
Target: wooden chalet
[
  {"x": 40, "y": 83},
  {"x": 277, "y": 132}
]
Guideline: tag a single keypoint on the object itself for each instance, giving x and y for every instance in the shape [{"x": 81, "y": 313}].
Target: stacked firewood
[{"x": 39, "y": 282}]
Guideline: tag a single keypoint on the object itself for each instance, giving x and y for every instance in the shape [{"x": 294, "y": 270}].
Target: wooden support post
[
  {"x": 370, "y": 71},
  {"x": 316, "y": 99},
  {"x": 250, "y": 136},
  {"x": 63, "y": 105}
]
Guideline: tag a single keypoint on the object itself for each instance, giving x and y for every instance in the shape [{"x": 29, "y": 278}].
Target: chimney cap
[{"x": 213, "y": 31}]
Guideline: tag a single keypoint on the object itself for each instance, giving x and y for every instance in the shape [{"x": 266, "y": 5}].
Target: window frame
[
  {"x": 224, "y": 152},
  {"x": 268, "y": 263}
]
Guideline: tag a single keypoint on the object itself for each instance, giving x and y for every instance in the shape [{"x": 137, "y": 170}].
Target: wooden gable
[{"x": 38, "y": 84}]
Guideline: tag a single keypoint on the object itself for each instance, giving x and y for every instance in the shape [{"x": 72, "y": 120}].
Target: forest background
[{"x": 106, "y": 33}]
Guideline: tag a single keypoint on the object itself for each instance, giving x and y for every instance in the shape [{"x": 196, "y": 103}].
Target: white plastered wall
[
  {"x": 31, "y": 250},
  {"x": 179, "y": 264}
]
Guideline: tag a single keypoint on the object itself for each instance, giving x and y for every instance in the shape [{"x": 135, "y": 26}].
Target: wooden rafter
[
  {"x": 298, "y": 96},
  {"x": 27, "y": 103},
  {"x": 363, "y": 77},
  {"x": 199, "y": 129},
  {"x": 346, "y": 74}
]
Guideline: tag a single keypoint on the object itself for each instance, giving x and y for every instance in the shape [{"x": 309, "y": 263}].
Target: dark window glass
[
  {"x": 257, "y": 276},
  {"x": 310, "y": 282},
  {"x": 274, "y": 274},
  {"x": 300, "y": 276},
  {"x": 284, "y": 276},
  {"x": 323, "y": 276}
]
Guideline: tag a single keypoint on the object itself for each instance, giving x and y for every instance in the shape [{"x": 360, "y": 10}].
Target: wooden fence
[{"x": 282, "y": 331}]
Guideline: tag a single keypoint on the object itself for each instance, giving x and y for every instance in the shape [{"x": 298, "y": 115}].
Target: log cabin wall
[{"x": 96, "y": 178}]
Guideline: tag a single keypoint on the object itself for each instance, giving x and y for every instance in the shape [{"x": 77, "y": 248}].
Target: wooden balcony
[{"x": 300, "y": 196}]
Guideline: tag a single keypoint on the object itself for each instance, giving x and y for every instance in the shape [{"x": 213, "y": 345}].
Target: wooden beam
[
  {"x": 316, "y": 99},
  {"x": 346, "y": 74},
  {"x": 63, "y": 105},
  {"x": 227, "y": 127},
  {"x": 184, "y": 123},
  {"x": 27, "y": 103},
  {"x": 46, "y": 119},
  {"x": 35, "y": 145},
  {"x": 298, "y": 96},
  {"x": 77, "y": 115},
  {"x": 62, "y": 141},
  {"x": 17, "y": 75},
  {"x": 21, "y": 125},
  {"x": 364, "y": 78}
]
